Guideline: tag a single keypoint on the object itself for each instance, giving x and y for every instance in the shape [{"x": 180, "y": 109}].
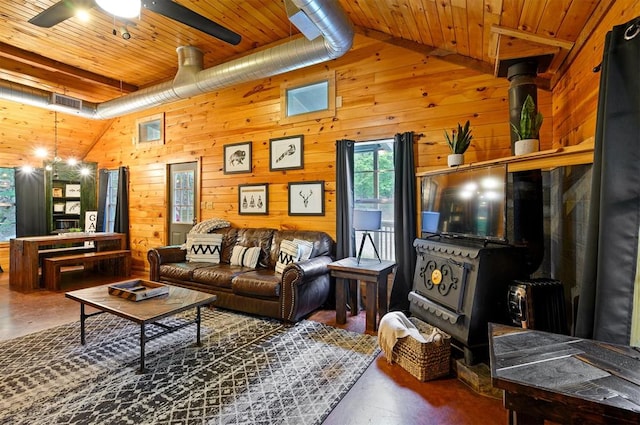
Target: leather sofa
[{"x": 301, "y": 288}]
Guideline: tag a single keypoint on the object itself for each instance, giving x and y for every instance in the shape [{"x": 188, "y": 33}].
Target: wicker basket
[{"x": 425, "y": 361}]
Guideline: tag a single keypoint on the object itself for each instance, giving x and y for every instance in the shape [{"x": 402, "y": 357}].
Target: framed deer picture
[{"x": 306, "y": 198}]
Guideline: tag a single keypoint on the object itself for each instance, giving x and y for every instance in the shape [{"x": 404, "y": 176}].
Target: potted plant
[
  {"x": 529, "y": 129},
  {"x": 458, "y": 141}
]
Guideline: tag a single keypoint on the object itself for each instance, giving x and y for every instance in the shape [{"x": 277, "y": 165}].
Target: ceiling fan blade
[
  {"x": 59, "y": 12},
  {"x": 188, "y": 17}
]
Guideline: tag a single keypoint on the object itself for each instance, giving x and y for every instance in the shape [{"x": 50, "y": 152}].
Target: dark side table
[
  {"x": 375, "y": 274},
  {"x": 564, "y": 379}
]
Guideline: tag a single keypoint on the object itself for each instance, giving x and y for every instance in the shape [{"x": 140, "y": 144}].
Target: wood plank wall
[
  {"x": 385, "y": 90},
  {"x": 575, "y": 97}
]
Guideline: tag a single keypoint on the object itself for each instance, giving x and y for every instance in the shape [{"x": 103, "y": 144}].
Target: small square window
[
  {"x": 308, "y": 99},
  {"x": 150, "y": 130}
]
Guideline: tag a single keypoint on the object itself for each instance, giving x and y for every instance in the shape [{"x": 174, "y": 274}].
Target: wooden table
[
  {"x": 23, "y": 253},
  {"x": 145, "y": 312},
  {"x": 375, "y": 274},
  {"x": 564, "y": 379}
]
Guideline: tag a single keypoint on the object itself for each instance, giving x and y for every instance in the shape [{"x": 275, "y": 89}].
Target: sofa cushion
[
  {"x": 180, "y": 271},
  {"x": 204, "y": 247},
  {"x": 219, "y": 275},
  {"x": 261, "y": 283},
  {"x": 245, "y": 256},
  {"x": 290, "y": 252}
]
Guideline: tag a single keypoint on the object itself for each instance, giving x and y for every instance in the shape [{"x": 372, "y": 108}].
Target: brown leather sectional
[{"x": 302, "y": 288}]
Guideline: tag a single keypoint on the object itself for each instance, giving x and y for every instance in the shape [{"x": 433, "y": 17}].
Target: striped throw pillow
[
  {"x": 305, "y": 247},
  {"x": 245, "y": 256},
  {"x": 289, "y": 253},
  {"x": 204, "y": 247}
]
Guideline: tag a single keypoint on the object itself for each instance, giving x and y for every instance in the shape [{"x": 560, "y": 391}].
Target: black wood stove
[{"x": 459, "y": 286}]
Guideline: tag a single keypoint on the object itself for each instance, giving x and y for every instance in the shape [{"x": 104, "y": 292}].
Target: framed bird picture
[
  {"x": 237, "y": 158},
  {"x": 286, "y": 153}
]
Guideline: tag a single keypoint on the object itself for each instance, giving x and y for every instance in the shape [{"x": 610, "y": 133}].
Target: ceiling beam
[
  {"x": 51, "y": 69},
  {"x": 442, "y": 54},
  {"x": 539, "y": 39}
]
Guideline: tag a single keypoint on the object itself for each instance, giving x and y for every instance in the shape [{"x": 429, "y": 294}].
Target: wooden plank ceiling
[{"x": 88, "y": 61}]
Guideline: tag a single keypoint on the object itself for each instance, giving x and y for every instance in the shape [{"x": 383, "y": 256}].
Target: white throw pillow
[
  {"x": 289, "y": 253},
  {"x": 245, "y": 256},
  {"x": 204, "y": 247},
  {"x": 305, "y": 247}
]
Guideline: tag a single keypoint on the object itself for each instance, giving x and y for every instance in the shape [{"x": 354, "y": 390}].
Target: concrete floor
[{"x": 385, "y": 394}]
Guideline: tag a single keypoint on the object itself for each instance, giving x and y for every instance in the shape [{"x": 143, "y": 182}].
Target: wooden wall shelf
[{"x": 568, "y": 155}]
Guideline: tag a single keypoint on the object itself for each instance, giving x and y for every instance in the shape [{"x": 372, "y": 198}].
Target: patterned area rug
[{"x": 247, "y": 371}]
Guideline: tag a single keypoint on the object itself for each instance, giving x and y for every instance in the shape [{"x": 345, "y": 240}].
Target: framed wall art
[
  {"x": 237, "y": 158},
  {"x": 306, "y": 198},
  {"x": 58, "y": 207},
  {"x": 286, "y": 153},
  {"x": 72, "y": 207},
  {"x": 72, "y": 190},
  {"x": 57, "y": 192},
  {"x": 253, "y": 199}
]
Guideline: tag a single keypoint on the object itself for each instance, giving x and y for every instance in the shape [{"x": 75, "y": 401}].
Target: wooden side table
[{"x": 375, "y": 274}]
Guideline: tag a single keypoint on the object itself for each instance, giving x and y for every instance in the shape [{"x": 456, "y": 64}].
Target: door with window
[{"x": 183, "y": 199}]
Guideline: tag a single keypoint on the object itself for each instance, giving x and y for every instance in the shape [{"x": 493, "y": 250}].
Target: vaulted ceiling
[{"x": 92, "y": 61}]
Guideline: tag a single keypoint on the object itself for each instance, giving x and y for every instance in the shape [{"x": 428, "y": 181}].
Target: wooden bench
[{"x": 53, "y": 265}]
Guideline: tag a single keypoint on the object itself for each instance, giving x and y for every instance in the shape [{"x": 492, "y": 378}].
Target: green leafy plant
[
  {"x": 530, "y": 121},
  {"x": 460, "y": 139}
]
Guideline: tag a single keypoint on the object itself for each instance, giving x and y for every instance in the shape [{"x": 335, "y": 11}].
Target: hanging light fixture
[{"x": 121, "y": 8}]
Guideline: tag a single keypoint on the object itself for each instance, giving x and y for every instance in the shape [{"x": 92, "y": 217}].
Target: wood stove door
[{"x": 442, "y": 279}]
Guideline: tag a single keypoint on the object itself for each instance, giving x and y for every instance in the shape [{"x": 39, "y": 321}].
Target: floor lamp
[{"x": 367, "y": 221}]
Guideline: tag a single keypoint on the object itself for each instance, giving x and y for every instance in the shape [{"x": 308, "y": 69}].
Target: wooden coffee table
[{"x": 144, "y": 312}]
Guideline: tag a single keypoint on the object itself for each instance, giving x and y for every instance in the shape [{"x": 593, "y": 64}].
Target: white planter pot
[
  {"x": 526, "y": 146},
  {"x": 455, "y": 159}
]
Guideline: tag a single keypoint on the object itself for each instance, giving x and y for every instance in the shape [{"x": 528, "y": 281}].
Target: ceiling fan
[{"x": 65, "y": 9}]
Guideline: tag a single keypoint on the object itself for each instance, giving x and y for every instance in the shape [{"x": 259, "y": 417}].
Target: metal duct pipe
[{"x": 191, "y": 79}]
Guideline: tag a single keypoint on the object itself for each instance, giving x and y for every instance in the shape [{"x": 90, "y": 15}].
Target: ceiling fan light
[{"x": 121, "y": 8}]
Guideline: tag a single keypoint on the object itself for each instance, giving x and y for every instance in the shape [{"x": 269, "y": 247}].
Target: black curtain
[
  {"x": 103, "y": 184},
  {"x": 345, "y": 236},
  {"x": 31, "y": 217},
  {"x": 121, "y": 224},
  {"x": 405, "y": 208},
  {"x": 606, "y": 299}
]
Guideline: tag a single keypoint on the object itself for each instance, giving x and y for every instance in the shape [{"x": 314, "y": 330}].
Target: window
[
  {"x": 150, "y": 130},
  {"x": 374, "y": 188},
  {"x": 7, "y": 204},
  {"x": 111, "y": 201},
  {"x": 308, "y": 99},
  {"x": 183, "y": 197}
]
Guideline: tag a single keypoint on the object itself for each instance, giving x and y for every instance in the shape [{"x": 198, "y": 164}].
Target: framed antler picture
[
  {"x": 306, "y": 198},
  {"x": 286, "y": 153}
]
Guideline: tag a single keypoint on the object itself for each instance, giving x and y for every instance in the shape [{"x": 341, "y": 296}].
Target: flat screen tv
[{"x": 468, "y": 202}]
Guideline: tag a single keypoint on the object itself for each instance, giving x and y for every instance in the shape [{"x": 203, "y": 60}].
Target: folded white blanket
[{"x": 395, "y": 325}]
